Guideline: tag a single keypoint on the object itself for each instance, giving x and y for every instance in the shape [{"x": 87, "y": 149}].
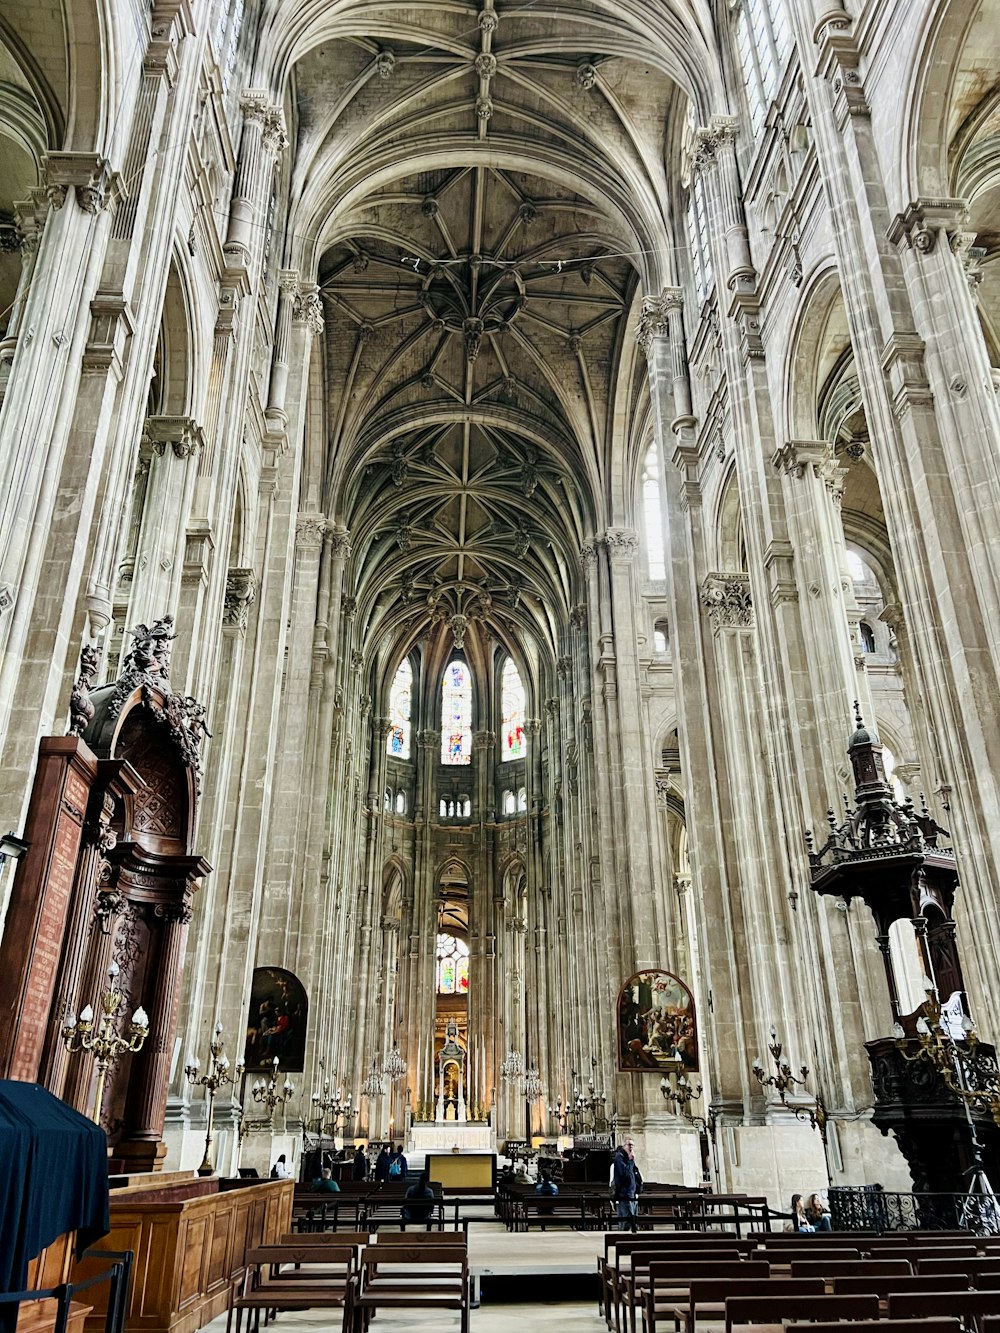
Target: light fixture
[
  {"x": 12, "y": 848},
  {"x": 512, "y": 1069},
  {"x": 532, "y": 1085},
  {"x": 783, "y": 1081},
  {"x": 374, "y": 1084},
  {"x": 395, "y": 1065},
  {"x": 105, "y": 1045}
]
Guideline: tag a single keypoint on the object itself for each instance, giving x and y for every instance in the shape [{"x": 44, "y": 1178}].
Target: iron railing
[
  {"x": 118, "y": 1276},
  {"x": 871, "y": 1208}
]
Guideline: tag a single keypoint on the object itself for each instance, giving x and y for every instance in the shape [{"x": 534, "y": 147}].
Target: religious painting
[
  {"x": 657, "y": 1029},
  {"x": 276, "y": 1023}
]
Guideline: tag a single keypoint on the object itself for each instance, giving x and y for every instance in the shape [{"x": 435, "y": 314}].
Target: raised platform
[
  {"x": 446, "y": 1135},
  {"x": 543, "y": 1266}
]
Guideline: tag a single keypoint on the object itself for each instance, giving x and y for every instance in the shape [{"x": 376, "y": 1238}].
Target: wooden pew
[
  {"x": 744, "y": 1314},
  {"x": 413, "y": 1277}
]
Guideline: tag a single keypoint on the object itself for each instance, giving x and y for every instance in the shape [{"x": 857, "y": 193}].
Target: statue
[
  {"x": 151, "y": 650},
  {"x": 81, "y": 708}
]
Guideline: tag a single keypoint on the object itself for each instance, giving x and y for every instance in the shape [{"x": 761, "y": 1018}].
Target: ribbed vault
[{"x": 485, "y": 188}]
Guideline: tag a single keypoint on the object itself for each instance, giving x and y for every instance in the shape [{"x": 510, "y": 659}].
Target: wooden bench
[
  {"x": 878, "y": 1326},
  {"x": 831, "y": 1268},
  {"x": 867, "y": 1282},
  {"x": 637, "y": 1274},
  {"x": 667, "y": 1244},
  {"x": 912, "y": 1305},
  {"x": 412, "y": 1277},
  {"x": 706, "y": 1299},
  {"x": 333, "y": 1288},
  {"x": 744, "y": 1312}
]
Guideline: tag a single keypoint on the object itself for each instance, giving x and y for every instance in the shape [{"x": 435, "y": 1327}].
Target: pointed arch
[
  {"x": 400, "y": 711},
  {"x": 512, "y": 707},
  {"x": 456, "y": 713}
]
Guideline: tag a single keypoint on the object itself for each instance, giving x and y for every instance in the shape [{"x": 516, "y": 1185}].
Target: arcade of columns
[{"x": 174, "y": 378}]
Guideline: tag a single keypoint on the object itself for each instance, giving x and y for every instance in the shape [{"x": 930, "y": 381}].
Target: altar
[{"x": 446, "y": 1136}]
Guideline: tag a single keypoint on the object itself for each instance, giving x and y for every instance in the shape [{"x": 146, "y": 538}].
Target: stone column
[{"x": 917, "y": 355}]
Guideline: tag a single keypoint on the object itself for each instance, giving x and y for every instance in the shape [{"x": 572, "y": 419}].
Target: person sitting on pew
[
  {"x": 325, "y": 1183},
  {"x": 419, "y": 1203},
  {"x": 546, "y": 1187},
  {"x": 817, "y": 1213},
  {"x": 799, "y": 1220}
]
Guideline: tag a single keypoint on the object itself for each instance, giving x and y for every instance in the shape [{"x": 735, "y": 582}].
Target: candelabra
[
  {"x": 969, "y": 1072},
  {"x": 818, "y": 1118},
  {"x": 679, "y": 1095},
  {"x": 218, "y": 1076},
  {"x": 330, "y": 1104},
  {"x": 105, "y": 1045},
  {"x": 560, "y": 1113},
  {"x": 590, "y": 1104},
  {"x": 267, "y": 1093},
  {"x": 783, "y": 1081},
  {"x": 395, "y": 1066}
]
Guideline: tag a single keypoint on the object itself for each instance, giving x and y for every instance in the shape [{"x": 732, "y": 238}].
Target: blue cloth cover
[{"x": 53, "y": 1179}]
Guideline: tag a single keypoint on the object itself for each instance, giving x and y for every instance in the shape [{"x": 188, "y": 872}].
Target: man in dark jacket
[
  {"x": 626, "y": 1183},
  {"x": 360, "y": 1168}
]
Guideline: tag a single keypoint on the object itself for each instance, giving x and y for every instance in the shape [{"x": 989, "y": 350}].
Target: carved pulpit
[
  {"x": 108, "y": 878},
  {"x": 889, "y": 855}
]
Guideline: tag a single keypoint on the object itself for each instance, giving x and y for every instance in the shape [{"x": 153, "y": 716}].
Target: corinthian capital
[
  {"x": 308, "y": 309},
  {"x": 654, "y": 318},
  {"x": 309, "y": 530},
  {"x": 727, "y": 599}
]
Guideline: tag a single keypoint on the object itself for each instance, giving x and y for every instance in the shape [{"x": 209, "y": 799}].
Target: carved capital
[
  {"x": 654, "y": 318},
  {"x": 87, "y": 173},
  {"x": 183, "y": 434},
  {"x": 340, "y": 544},
  {"x": 798, "y": 458},
  {"x": 309, "y": 531},
  {"x": 727, "y": 599},
  {"x": 621, "y": 543},
  {"x": 588, "y": 556},
  {"x": 710, "y": 138},
  {"x": 924, "y": 220},
  {"x": 241, "y": 591},
  {"x": 307, "y": 308},
  {"x": 484, "y": 740}
]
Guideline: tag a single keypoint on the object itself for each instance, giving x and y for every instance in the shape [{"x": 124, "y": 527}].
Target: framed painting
[
  {"x": 276, "y": 1023},
  {"x": 657, "y": 1026}
]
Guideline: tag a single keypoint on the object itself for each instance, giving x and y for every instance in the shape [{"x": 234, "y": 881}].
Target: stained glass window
[
  {"x": 400, "y": 697},
  {"x": 456, "y": 714},
  {"x": 452, "y": 966},
  {"x": 511, "y": 712}
]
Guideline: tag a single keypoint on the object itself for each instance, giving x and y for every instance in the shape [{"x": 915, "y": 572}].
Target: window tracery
[
  {"x": 763, "y": 44},
  {"x": 456, "y": 714},
  {"x": 452, "y": 965},
  {"x": 511, "y": 712},
  {"x": 400, "y": 705}
]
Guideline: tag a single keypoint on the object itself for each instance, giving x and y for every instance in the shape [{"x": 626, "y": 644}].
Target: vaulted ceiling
[{"x": 486, "y": 189}]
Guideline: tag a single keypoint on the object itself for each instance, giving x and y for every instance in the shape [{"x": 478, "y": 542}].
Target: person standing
[
  {"x": 359, "y": 1171},
  {"x": 626, "y": 1182},
  {"x": 398, "y": 1164},
  {"x": 382, "y": 1164}
]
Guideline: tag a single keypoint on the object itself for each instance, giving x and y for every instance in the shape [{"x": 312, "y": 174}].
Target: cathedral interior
[{"x": 500, "y": 579}]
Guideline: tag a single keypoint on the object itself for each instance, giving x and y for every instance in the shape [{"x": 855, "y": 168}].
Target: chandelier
[
  {"x": 395, "y": 1065},
  {"x": 512, "y": 1068},
  {"x": 374, "y": 1084},
  {"x": 532, "y": 1085}
]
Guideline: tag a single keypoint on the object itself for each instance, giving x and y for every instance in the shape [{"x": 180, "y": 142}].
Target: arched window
[
  {"x": 452, "y": 966},
  {"x": 465, "y": 807},
  {"x": 522, "y": 799},
  {"x": 661, "y": 637},
  {"x": 387, "y": 799},
  {"x": 509, "y": 803},
  {"x": 652, "y": 513},
  {"x": 867, "y": 636},
  {"x": 763, "y": 44},
  {"x": 443, "y": 808},
  {"x": 401, "y": 802},
  {"x": 701, "y": 255},
  {"x": 456, "y": 714},
  {"x": 856, "y": 567},
  {"x": 400, "y": 703},
  {"x": 511, "y": 712}
]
